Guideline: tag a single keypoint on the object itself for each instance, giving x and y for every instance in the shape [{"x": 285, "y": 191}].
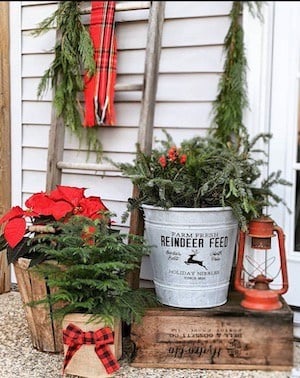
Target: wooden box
[{"x": 224, "y": 337}]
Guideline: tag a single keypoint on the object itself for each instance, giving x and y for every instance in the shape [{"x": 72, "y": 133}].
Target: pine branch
[
  {"x": 232, "y": 98},
  {"x": 90, "y": 273},
  {"x": 73, "y": 52}
]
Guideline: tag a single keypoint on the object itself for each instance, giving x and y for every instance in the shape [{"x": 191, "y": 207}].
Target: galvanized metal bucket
[{"x": 192, "y": 254}]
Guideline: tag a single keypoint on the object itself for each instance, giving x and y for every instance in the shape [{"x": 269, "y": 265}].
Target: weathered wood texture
[
  {"x": 153, "y": 51},
  {"x": 5, "y": 279},
  {"x": 5, "y": 154},
  {"x": 146, "y": 122},
  {"x": 85, "y": 362},
  {"x": 224, "y": 337},
  {"x": 56, "y": 145},
  {"x": 46, "y": 333}
]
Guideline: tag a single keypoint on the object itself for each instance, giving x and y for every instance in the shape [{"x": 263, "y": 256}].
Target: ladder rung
[
  {"x": 87, "y": 166},
  {"x": 128, "y": 87},
  {"x": 124, "y": 6}
]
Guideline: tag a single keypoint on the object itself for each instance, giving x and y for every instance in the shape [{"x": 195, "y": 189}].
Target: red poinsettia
[{"x": 61, "y": 203}]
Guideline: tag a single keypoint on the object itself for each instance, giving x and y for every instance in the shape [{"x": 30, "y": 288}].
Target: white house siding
[{"x": 191, "y": 63}]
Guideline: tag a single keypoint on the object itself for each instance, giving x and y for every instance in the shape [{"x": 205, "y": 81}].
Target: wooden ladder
[{"x": 55, "y": 164}]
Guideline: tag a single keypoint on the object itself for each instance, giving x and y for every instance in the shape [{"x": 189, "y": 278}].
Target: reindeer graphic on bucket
[{"x": 191, "y": 260}]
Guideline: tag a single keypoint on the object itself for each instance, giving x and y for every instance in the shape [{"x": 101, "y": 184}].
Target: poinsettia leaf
[
  {"x": 91, "y": 206},
  {"x": 71, "y": 194},
  {"x": 20, "y": 250},
  {"x": 14, "y": 212},
  {"x": 14, "y": 231},
  {"x": 40, "y": 203},
  {"x": 61, "y": 209},
  {"x": 56, "y": 195}
]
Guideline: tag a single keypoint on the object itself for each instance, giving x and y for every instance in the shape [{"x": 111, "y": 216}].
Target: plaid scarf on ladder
[{"x": 99, "y": 90}]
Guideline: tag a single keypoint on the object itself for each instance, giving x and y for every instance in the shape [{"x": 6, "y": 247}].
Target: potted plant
[
  {"x": 193, "y": 198},
  {"x": 20, "y": 226},
  {"x": 90, "y": 279}
]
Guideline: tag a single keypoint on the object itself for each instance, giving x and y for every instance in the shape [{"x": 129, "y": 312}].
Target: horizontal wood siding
[{"x": 191, "y": 63}]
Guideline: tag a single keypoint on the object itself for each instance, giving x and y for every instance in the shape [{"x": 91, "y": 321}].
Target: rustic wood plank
[
  {"x": 44, "y": 333},
  {"x": 123, "y": 6},
  {"x": 56, "y": 324},
  {"x": 5, "y": 152},
  {"x": 153, "y": 50},
  {"x": 5, "y": 279},
  {"x": 212, "y": 367},
  {"x": 87, "y": 166},
  {"x": 124, "y": 87},
  {"x": 118, "y": 338},
  {"x": 55, "y": 151},
  {"x": 41, "y": 314},
  {"x": 223, "y": 337},
  {"x": 55, "y": 144},
  {"x": 24, "y": 287}
]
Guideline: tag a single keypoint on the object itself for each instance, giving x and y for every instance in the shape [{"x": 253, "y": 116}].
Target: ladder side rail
[
  {"x": 55, "y": 145},
  {"x": 153, "y": 51},
  {"x": 146, "y": 122}
]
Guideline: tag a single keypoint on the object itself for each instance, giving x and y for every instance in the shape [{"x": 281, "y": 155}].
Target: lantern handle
[
  {"x": 281, "y": 238},
  {"x": 239, "y": 264}
]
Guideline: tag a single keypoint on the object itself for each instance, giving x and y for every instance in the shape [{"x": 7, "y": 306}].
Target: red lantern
[{"x": 257, "y": 293}]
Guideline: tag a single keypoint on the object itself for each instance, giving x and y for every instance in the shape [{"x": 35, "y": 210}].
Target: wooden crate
[
  {"x": 46, "y": 332},
  {"x": 224, "y": 337}
]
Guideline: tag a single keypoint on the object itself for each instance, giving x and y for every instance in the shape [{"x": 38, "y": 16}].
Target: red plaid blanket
[
  {"x": 74, "y": 337},
  {"x": 100, "y": 89}
]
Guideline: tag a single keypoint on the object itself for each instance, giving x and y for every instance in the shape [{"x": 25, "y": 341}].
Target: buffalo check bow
[{"x": 74, "y": 337}]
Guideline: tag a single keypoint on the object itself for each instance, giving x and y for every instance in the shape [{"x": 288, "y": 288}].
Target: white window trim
[
  {"x": 273, "y": 99},
  {"x": 258, "y": 41}
]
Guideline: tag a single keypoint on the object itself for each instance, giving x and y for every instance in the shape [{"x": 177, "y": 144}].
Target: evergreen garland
[
  {"x": 74, "y": 53},
  {"x": 232, "y": 96}
]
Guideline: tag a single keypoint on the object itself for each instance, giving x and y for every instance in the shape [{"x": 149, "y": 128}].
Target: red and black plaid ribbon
[
  {"x": 100, "y": 89},
  {"x": 74, "y": 337}
]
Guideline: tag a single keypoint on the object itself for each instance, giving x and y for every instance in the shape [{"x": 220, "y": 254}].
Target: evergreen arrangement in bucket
[{"x": 204, "y": 172}]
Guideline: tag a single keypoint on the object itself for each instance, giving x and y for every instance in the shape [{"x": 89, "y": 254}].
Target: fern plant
[
  {"x": 203, "y": 172},
  {"x": 90, "y": 270}
]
